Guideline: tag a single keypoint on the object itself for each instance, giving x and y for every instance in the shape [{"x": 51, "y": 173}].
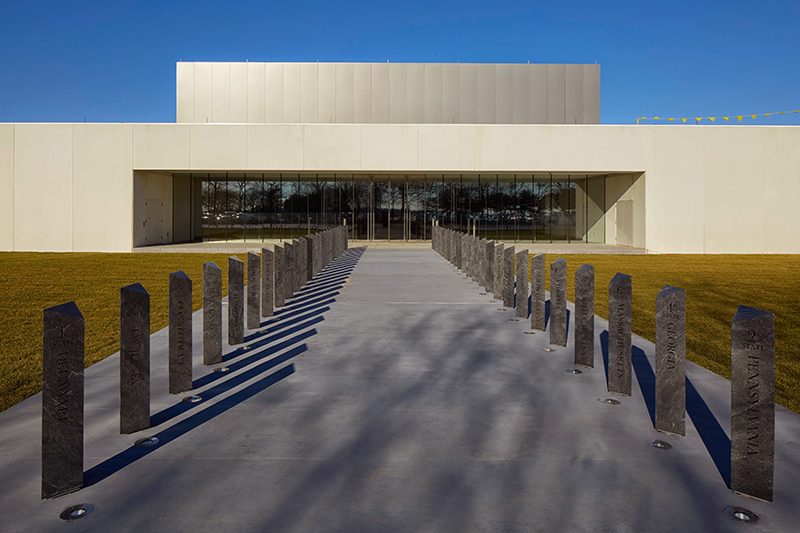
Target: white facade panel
[
  {"x": 43, "y": 215},
  {"x": 185, "y": 90},
  {"x": 344, "y": 93},
  {"x": 275, "y": 147},
  {"x": 591, "y": 94},
  {"x": 433, "y": 93},
  {"x": 380, "y": 93},
  {"x": 415, "y": 93},
  {"x": 486, "y": 94},
  {"x": 162, "y": 146},
  {"x": 309, "y": 91},
  {"x": 538, "y": 88},
  {"x": 238, "y": 93},
  {"x": 219, "y": 147},
  {"x": 468, "y": 93},
  {"x": 451, "y": 93},
  {"x": 362, "y": 93},
  {"x": 521, "y": 84},
  {"x": 326, "y": 95},
  {"x": 389, "y": 148},
  {"x": 573, "y": 102},
  {"x": 499, "y": 148},
  {"x": 273, "y": 92},
  {"x": 397, "y": 90},
  {"x": 503, "y": 94},
  {"x": 447, "y": 147},
  {"x": 203, "y": 82},
  {"x": 556, "y": 94},
  {"x": 221, "y": 92},
  {"x": 291, "y": 92},
  {"x": 256, "y": 82},
  {"x": 781, "y": 190},
  {"x": 332, "y": 147},
  {"x": 6, "y": 187}
]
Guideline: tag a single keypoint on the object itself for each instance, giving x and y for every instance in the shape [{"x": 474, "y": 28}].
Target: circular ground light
[
  {"x": 192, "y": 399},
  {"x": 574, "y": 371},
  {"x": 513, "y": 319},
  {"x": 548, "y": 349},
  {"x": 741, "y": 514},
  {"x": 246, "y": 348},
  {"x": 76, "y": 511},
  {"x": 502, "y": 309},
  {"x": 482, "y": 294},
  {"x": 529, "y": 332},
  {"x": 608, "y": 401},
  {"x": 221, "y": 369},
  {"x": 660, "y": 444},
  {"x": 146, "y": 443}
]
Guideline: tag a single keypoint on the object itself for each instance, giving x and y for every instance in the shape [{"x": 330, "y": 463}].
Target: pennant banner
[{"x": 713, "y": 119}]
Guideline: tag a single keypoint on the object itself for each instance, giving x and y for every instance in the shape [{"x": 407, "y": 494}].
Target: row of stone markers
[
  {"x": 285, "y": 271},
  {"x": 494, "y": 266}
]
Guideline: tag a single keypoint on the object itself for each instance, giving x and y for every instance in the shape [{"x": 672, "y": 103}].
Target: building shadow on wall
[{"x": 278, "y": 343}]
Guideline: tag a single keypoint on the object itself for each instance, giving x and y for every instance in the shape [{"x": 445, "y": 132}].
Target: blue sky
[{"x": 115, "y": 61}]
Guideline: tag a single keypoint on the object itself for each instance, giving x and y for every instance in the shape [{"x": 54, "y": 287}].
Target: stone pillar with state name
[
  {"x": 134, "y": 359},
  {"x": 522, "y": 284},
  {"x": 212, "y": 314},
  {"x": 558, "y": 302},
  {"x": 309, "y": 258},
  {"x": 753, "y": 402},
  {"x": 488, "y": 267},
  {"x": 288, "y": 270},
  {"x": 267, "y": 282},
  {"x": 508, "y": 277},
  {"x": 584, "y": 316},
  {"x": 253, "y": 290},
  {"x": 180, "y": 333},
  {"x": 62, "y": 400},
  {"x": 316, "y": 251},
  {"x": 497, "y": 269},
  {"x": 538, "y": 297},
  {"x": 297, "y": 248},
  {"x": 280, "y": 277},
  {"x": 619, "y": 335},
  {"x": 671, "y": 361},
  {"x": 235, "y": 300}
]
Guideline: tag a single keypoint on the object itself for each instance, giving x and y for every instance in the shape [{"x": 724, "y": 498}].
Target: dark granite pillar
[
  {"x": 180, "y": 333},
  {"x": 253, "y": 291},
  {"x": 508, "y": 277},
  {"x": 280, "y": 277},
  {"x": 326, "y": 249},
  {"x": 309, "y": 258},
  {"x": 62, "y": 400},
  {"x": 538, "y": 297},
  {"x": 619, "y": 335},
  {"x": 497, "y": 270},
  {"x": 753, "y": 402},
  {"x": 134, "y": 359},
  {"x": 267, "y": 282},
  {"x": 671, "y": 360},
  {"x": 297, "y": 250},
  {"x": 212, "y": 314},
  {"x": 288, "y": 270},
  {"x": 584, "y": 316},
  {"x": 488, "y": 267},
  {"x": 235, "y": 301},
  {"x": 522, "y": 284},
  {"x": 558, "y": 302}
]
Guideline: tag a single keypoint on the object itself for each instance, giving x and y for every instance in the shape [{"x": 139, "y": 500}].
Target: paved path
[{"x": 392, "y": 395}]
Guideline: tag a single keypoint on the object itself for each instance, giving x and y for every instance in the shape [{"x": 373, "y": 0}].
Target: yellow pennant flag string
[{"x": 713, "y": 119}]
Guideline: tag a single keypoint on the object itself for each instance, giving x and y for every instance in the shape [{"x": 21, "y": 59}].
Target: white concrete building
[{"x": 262, "y": 151}]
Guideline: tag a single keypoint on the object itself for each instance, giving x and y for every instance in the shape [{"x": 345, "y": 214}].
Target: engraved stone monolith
[
  {"x": 212, "y": 314},
  {"x": 538, "y": 297},
  {"x": 62, "y": 400},
  {"x": 522, "y": 284},
  {"x": 488, "y": 266},
  {"x": 326, "y": 249},
  {"x": 253, "y": 290},
  {"x": 508, "y": 277},
  {"x": 134, "y": 358},
  {"x": 235, "y": 300},
  {"x": 497, "y": 269},
  {"x": 671, "y": 360},
  {"x": 753, "y": 402},
  {"x": 619, "y": 335},
  {"x": 558, "y": 302},
  {"x": 267, "y": 282},
  {"x": 584, "y": 316},
  {"x": 309, "y": 258},
  {"x": 280, "y": 277},
  {"x": 288, "y": 270},
  {"x": 458, "y": 242},
  {"x": 299, "y": 248},
  {"x": 180, "y": 333}
]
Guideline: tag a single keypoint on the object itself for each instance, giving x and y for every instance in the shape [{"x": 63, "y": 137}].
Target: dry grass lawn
[{"x": 715, "y": 286}]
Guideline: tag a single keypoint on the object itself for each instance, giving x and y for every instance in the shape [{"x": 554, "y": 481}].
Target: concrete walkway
[{"x": 393, "y": 395}]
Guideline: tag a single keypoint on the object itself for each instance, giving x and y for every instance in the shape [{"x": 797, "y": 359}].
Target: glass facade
[{"x": 392, "y": 207}]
